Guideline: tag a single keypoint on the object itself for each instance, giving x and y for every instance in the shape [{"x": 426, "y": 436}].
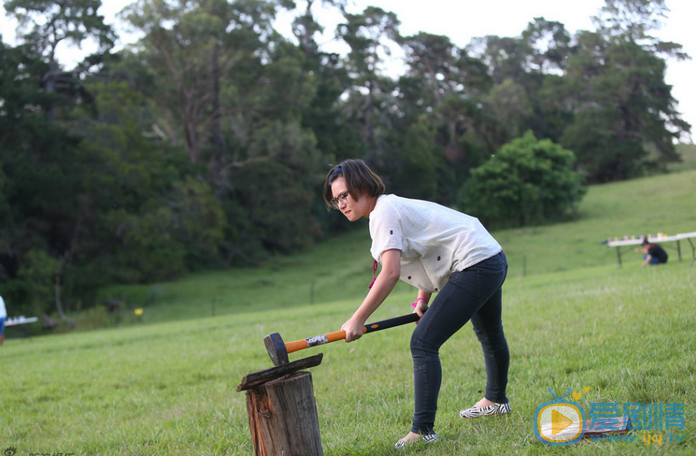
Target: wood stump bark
[{"x": 283, "y": 417}]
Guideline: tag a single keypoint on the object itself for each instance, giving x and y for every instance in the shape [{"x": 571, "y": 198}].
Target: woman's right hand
[{"x": 354, "y": 329}]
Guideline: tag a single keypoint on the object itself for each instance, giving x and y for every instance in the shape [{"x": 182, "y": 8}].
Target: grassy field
[{"x": 166, "y": 385}]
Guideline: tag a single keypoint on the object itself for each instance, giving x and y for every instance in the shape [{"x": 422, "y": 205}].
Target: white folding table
[{"x": 657, "y": 240}]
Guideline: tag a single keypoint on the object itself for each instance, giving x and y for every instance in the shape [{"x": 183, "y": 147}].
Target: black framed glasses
[{"x": 341, "y": 198}]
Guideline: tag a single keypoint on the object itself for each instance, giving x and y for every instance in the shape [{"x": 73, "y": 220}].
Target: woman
[{"x": 437, "y": 250}]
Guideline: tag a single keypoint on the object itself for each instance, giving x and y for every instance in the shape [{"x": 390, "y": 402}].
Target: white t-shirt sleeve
[{"x": 385, "y": 230}]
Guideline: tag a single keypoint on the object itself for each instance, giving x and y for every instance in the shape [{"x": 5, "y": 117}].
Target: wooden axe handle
[{"x": 341, "y": 335}]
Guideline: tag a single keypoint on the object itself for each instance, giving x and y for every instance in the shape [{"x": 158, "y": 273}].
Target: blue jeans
[
  {"x": 653, "y": 260},
  {"x": 472, "y": 294}
]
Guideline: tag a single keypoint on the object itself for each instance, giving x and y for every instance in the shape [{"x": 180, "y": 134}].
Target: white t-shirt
[
  {"x": 3, "y": 311},
  {"x": 434, "y": 240}
]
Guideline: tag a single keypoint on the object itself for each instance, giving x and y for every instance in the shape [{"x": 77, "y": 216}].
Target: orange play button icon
[{"x": 559, "y": 422}]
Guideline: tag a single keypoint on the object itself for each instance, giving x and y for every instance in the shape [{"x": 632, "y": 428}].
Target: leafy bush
[
  {"x": 527, "y": 182},
  {"x": 86, "y": 320},
  {"x": 38, "y": 272}
]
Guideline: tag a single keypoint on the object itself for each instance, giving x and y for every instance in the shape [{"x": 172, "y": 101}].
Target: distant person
[
  {"x": 653, "y": 254},
  {"x": 437, "y": 250},
  {"x": 3, "y": 317}
]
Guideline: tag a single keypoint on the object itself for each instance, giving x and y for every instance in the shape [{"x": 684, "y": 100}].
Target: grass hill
[
  {"x": 341, "y": 268},
  {"x": 574, "y": 321}
]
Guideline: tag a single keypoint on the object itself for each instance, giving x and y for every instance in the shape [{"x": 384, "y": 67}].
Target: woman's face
[{"x": 352, "y": 209}]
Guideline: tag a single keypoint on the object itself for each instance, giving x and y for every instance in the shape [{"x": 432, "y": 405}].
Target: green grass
[
  {"x": 573, "y": 320},
  {"x": 170, "y": 388}
]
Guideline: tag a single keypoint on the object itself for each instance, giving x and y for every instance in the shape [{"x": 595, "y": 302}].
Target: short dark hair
[{"x": 360, "y": 180}]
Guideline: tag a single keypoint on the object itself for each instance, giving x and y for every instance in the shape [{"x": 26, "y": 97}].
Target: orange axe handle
[
  {"x": 313, "y": 341},
  {"x": 341, "y": 335}
]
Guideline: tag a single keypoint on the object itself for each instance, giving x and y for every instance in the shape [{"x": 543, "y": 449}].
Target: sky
[{"x": 462, "y": 20}]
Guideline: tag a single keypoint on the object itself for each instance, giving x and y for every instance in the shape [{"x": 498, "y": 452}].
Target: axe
[{"x": 278, "y": 350}]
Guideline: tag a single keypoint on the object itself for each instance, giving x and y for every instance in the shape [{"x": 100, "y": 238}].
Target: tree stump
[
  {"x": 283, "y": 417},
  {"x": 282, "y": 411}
]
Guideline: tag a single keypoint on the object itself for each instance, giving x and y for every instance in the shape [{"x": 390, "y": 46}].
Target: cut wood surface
[{"x": 258, "y": 378}]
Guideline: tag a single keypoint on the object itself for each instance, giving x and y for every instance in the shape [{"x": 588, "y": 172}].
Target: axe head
[{"x": 276, "y": 349}]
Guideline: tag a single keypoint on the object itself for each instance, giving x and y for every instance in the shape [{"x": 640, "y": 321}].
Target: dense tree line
[{"x": 204, "y": 145}]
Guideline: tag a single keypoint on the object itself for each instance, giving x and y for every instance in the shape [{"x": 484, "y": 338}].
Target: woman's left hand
[
  {"x": 421, "y": 304},
  {"x": 421, "y": 307}
]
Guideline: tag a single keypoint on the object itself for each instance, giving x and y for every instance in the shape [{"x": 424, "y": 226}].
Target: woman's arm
[{"x": 387, "y": 279}]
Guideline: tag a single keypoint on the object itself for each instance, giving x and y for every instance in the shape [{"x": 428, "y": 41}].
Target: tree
[
  {"x": 445, "y": 87},
  {"x": 528, "y": 181},
  {"x": 148, "y": 217},
  {"x": 505, "y": 57},
  {"x": 263, "y": 223},
  {"x": 548, "y": 44},
  {"x": 369, "y": 97},
  {"x": 233, "y": 92},
  {"x": 634, "y": 20},
  {"x": 422, "y": 170},
  {"x": 38, "y": 272},
  {"x": 619, "y": 93},
  {"x": 521, "y": 68},
  {"x": 305, "y": 26},
  {"x": 222, "y": 71},
  {"x": 48, "y": 23},
  {"x": 440, "y": 73},
  {"x": 182, "y": 49},
  {"x": 335, "y": 138},
  {"x": 509, "y": 103},
  {"x": 512, "y": 107},
  {"x": 40, "y": 200},
  {"x": 618, "y": 78}
]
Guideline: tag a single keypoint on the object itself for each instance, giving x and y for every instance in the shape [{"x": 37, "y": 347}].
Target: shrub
[{"x": 527, "y": 182}]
